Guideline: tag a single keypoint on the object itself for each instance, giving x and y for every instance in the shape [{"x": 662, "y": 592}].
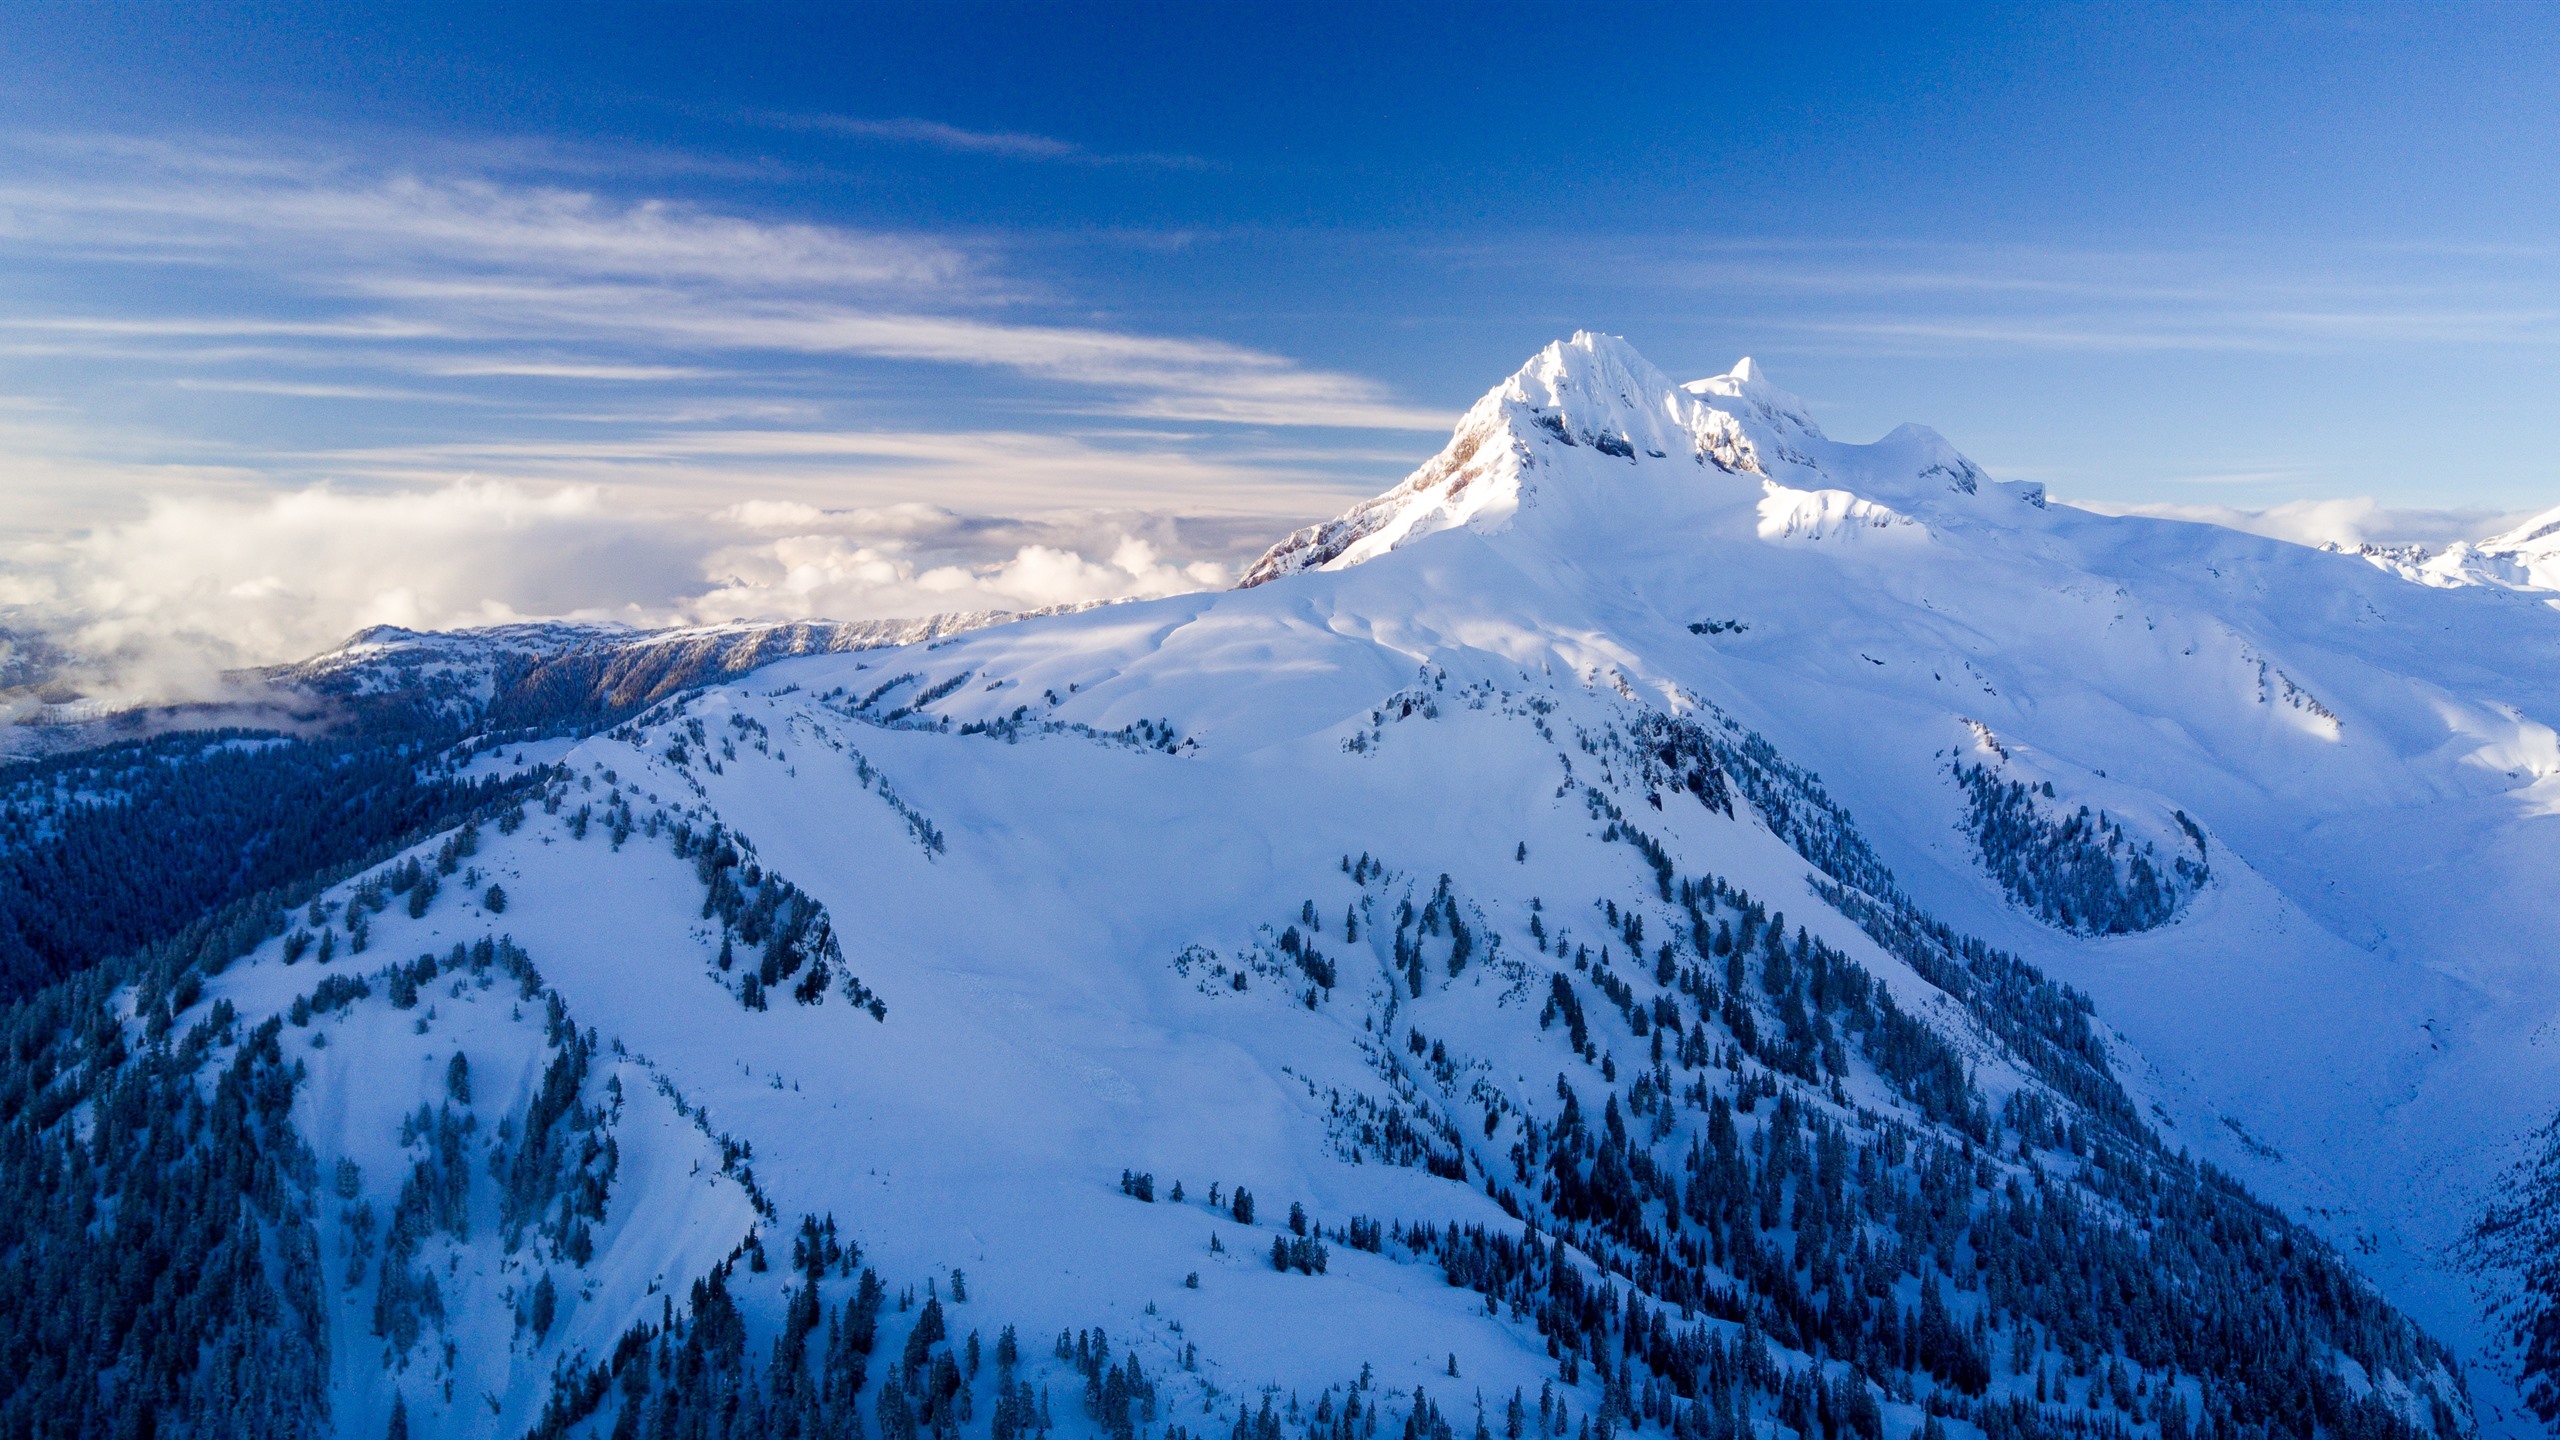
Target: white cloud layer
[
  {"x": 160, "y": 605},
  {"x": 2360, "y": 520}
]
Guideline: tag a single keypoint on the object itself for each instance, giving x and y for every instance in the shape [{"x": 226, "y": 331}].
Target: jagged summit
[
  {"x": 1599, "y": 386},
  {"x": 1591, "y": 424},
  {"x": 1748, "y": 384}
]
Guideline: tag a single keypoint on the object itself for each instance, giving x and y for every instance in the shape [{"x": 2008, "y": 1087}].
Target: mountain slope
[{"x": 1464, "y": 885}]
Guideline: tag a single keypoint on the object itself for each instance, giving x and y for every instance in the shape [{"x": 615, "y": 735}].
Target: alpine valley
[{"x": 1664, "y": 922}]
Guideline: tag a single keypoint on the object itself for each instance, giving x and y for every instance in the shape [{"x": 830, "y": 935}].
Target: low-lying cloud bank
[
  {"x": 157, "y": 608},
  {"x": 2349, "y": 522}
]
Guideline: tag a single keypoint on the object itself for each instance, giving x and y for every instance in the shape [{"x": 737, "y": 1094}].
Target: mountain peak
[
  {"x": 1598, "y": 379},
  {"x": 1600, "y": 344},
  {"x": 1590, "y": 423},
  {"x": 1588, "y": 398},
  {"x": 1749, "y": 384}
]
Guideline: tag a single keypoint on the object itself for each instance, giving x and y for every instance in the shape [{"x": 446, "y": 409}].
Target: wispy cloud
[
  {"x": 440, "y": 269},
  {"x": 571, "y": 370},
  {"x": 1140, "y": 375},
  {"x": 314, "y": 391},
  {"x": 2229, "y": 331},
  {"x": 1873, "y": 297},
  {"x": 176, "y": 204},
  {"x": 1013, "y": 472},
  {"x": 1003, "y": 144}
]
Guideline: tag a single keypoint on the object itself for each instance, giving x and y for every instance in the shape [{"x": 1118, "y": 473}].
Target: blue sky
[{"x": 947, "y": 305}]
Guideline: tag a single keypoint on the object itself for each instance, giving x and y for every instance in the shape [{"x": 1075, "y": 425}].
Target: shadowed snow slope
[{"x": 1467, "y": 868}]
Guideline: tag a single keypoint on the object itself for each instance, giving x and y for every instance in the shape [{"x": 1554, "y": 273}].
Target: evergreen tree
[{"x": 545, "y": 1307}]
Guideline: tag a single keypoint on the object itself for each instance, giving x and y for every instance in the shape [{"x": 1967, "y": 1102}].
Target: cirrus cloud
[{"x": 333, "y": 263}]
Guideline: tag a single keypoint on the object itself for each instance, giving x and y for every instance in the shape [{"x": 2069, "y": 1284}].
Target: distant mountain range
[{"x": 2523, "y": 557}]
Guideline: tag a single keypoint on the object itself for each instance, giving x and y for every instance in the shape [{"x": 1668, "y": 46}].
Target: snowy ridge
[
  {"x": 605, "y": 669},
  {"x": 527, "y": 676}
]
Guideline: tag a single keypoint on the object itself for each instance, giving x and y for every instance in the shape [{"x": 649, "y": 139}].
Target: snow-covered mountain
[
  {"x": 1598, "y": 395},
  {"x": 1675, "y": 921},
  {"x": 536, "y": 674},
  {"x": 533, "y": 675},
  {"x": 2522, "y": 557}
]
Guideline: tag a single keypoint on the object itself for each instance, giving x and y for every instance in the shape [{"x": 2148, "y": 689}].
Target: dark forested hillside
[
  {"x": 2522, "y": 1233},
  {"x": 2080, "y": 871},
  {"x": 106, "y": 851}
]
